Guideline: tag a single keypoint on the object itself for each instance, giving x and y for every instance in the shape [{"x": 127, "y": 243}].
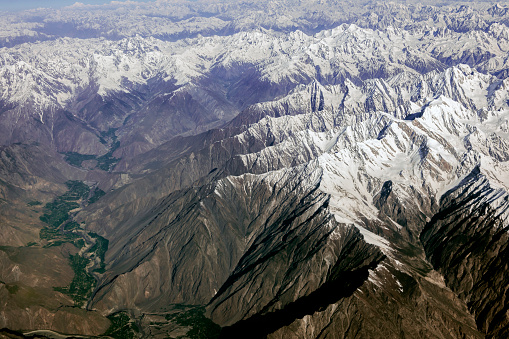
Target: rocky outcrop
[
  {"x": 217, "y": 230},
  {"x": 467, "y": 242},
  {"x": 396, "y": 305}
]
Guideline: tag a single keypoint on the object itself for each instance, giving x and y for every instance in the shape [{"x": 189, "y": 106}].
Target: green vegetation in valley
[
  {"x": 100, "y": 247},
  {"x": 105, "y": 162},
  {"x": 121, "y": 327},
  {"x": 96, "y": 195},
  {"x": 77, "y": 189},
  {"x": 60, "y": 229},
  {"x": 201, "y": 326},
  {"x": 57, "y": 212},
  {"x": 48, "y": 233},
  {"x": 34, "y": 203},
  {"x": 76, "y": 159},
  {"x": 108, "y": 161},
  {"x": 82, "y": 284},
  {"x": 12, "y": 288},
  {"x": 109, "y": 135},
  {"x": 72, "y": 225},
  {"x": 61, "y": 239},
  {"x": 79, "y": 243}
]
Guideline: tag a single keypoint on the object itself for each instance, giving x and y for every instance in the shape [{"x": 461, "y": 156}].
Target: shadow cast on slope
[{"x": 260, "y": 325}]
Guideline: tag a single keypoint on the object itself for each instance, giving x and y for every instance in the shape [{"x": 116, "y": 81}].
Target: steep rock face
[
  {"x": 467, "y": 242},
  {"x": 294, "y": 295},
  {"x": 187, "y": 110},
  {"x": 222, "y": 231},
  {"x": 296, "y": 262},
  {"x": 396, "y": 305}
]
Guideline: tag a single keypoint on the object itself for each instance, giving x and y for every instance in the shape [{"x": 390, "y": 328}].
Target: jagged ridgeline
[{"x": 266, "y": 169}]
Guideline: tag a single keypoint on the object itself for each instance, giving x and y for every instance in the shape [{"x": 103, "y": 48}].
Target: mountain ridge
[{"x": 235, "y": 167}]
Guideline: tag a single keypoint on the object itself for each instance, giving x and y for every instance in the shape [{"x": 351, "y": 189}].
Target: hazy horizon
[
  {"x": 30, "y": 4},
  {"x": 9, "y": 5}
]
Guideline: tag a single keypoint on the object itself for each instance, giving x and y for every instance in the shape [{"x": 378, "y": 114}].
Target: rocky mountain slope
[
  {"x": 384, "y": 176},
  {"x": 265, "y": 176}
]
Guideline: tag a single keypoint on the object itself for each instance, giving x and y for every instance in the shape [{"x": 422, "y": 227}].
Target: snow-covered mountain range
[
  {"x": 98, "y": 84},
  {"x": 272, "y": 169}
]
